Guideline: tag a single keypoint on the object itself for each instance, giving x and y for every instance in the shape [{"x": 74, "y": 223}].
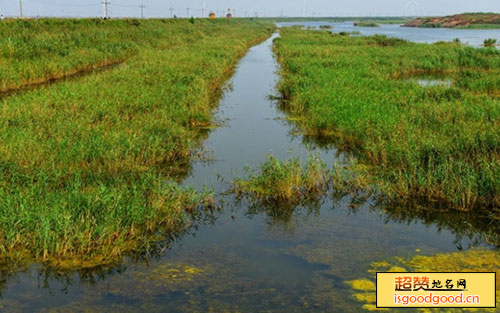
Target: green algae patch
[
  {"x": 474, "y": 260},
  {"x": 207, "y": 280},
  {"x": 366, "y": 297},
  {"x": 468, "y": 261},
  {"x": 362, "y": 284},
  {"x": 174, "y": 273}
]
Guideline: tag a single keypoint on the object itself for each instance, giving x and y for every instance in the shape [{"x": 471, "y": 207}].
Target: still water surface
[
  {"x": 473, "y": 37},
  {"x": 248, "y": 259}
]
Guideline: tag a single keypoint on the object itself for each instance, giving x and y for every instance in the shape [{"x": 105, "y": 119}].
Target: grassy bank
[
  {"x": 465, "y": 21},
  {"x": 440, "y": 144},
  {"x": 87, "y": 165},
  {"x": 39, "y": 50}
]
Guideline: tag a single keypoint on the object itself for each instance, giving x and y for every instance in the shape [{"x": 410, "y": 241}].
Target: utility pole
[
  {"x": 187, "y": 11},
  {"x": 21, "y": 8},
  {"x": 105, "y": 5},
  {"x": 203, "y": 10},
  {"x": 142, "y": 6},
  {"x": 171, "y": 12}
]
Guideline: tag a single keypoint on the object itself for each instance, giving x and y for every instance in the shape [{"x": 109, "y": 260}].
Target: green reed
[
  {"x": 284, "y": 182},
  {"x": 436, "y": 143},
  {"x": 88, "y": 165}
]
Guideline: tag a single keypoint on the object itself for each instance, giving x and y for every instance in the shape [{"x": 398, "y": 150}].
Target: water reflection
[{"x": 429, "y": 82}]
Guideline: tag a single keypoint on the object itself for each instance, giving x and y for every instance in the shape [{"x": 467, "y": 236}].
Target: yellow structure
[{"x": 211, "y": 15}]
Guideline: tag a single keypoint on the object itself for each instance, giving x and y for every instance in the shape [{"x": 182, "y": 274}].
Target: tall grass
[
  {"x": 40, "y": 50},
  {"x": 87, "y": 166},
  {"x": 439, "y": 143},
  {"x": 284, "y": 181},
  {"x": 283, "y": 189}
]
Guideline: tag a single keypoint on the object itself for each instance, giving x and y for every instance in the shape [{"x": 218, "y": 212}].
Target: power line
[
  {"x": 142, "y": 6},
  {"x": 105, "y": 4},
  {"x": 21, "y": 8}
]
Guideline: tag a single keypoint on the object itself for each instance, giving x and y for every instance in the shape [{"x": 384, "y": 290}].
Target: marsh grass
[
  {"x": 88, "y": 167},
  {"x": 41, "y": 50},
  {"x": 284, "y": 182},
  {"x": 440, "y": 144}
]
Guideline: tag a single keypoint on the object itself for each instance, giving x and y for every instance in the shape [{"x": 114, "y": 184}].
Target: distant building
[{"x": 211, "y": 15}]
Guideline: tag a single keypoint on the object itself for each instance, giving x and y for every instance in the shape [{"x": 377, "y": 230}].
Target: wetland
[{"x": 225, "y": 197}]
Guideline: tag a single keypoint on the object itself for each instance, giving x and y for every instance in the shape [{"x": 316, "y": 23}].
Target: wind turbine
[{"x": 412, "y": 4}]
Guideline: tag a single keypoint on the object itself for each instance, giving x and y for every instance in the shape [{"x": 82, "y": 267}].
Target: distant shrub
[
  {"x": 490, "y": 42},
  {"x": 134, "y": 22},
  {"x": 366, "y": 24},
  {"x": 384, "y": 41}
]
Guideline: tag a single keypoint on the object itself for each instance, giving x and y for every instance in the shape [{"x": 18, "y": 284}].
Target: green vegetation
[
  {"x": 41, "y": 50},
  {"x": 88, "y": 165},
  {"x": 490, "y": 42},
  {"x": 479, "y": 26},
  {"x": 366, "y": 24},
  {"x": 284, "y": 182},
  {"x": 439, "y": 144},
  {"x": 464, "y": 21},
  {"x": 350, "y": 33},
  {"x": 325, "y": 26},
  {"x": 468, "y": 261}
]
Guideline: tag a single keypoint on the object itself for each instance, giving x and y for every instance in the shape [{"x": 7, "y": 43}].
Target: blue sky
[{"x": 160, "y": 8}]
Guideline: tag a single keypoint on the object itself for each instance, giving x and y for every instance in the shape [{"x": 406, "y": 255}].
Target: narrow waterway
[{"x": 249, "y": 260}]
